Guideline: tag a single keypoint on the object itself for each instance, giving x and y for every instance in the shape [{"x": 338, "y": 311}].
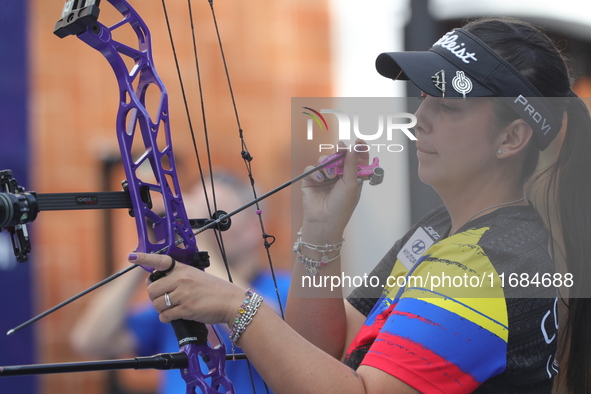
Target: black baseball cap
[{"x": 460, "y": 65}]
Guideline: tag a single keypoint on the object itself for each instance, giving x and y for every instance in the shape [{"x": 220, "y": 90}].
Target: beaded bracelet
[
  {"x": 246, "y": 312},
  {"x": 310, "y": 265}
]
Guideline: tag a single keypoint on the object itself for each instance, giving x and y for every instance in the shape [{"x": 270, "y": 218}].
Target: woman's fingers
[
  {"x": 188, "y": 293},
  {"x": 159, "y": 262},
  {"x": 158, "y": 288},
  {"x": 313, "y": 178}
]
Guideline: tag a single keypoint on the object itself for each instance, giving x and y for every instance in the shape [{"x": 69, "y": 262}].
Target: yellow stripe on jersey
[{"x": 457, "y": 275}]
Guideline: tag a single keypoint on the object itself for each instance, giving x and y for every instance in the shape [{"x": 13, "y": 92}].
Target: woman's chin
[
  {"x": 430, "y": 176},
  {"x": 425, "y": 174}
]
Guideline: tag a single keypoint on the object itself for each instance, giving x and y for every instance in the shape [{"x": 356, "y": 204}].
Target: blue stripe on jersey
[{"x": 470, "y": 347}]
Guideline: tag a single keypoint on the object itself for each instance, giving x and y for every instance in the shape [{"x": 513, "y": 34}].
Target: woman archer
[{"x": 495, "y": 94}]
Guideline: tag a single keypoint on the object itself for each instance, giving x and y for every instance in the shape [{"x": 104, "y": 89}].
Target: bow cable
[{"x": 247, "y": 158}]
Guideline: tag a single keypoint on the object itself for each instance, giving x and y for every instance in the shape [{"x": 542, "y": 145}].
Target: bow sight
[{"x": 17, "y": 208}]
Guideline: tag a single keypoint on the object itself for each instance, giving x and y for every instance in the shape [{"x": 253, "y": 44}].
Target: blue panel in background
[{"x": 16, "y": 285}]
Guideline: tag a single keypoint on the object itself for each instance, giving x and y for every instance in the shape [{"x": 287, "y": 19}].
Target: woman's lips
[{"x": 425, "y": 150}]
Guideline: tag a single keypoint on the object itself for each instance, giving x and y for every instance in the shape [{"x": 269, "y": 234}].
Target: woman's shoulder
[{"x": 515, "y": 242}]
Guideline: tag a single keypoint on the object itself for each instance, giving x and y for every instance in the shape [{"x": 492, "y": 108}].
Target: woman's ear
[{"x": 514, "y": 138}]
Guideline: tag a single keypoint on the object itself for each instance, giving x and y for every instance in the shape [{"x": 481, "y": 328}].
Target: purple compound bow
[{"x": 80, "y": 18}]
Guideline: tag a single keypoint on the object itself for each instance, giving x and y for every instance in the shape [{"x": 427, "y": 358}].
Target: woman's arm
[
  {"x": 288, "y": 362},
  {"x": 318, "y": 313}
]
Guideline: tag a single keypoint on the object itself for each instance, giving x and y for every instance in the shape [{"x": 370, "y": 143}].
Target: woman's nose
[{"x": 420, "y": 113}]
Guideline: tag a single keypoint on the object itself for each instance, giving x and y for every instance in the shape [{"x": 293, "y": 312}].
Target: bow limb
[{"x": 150, "y": 132}]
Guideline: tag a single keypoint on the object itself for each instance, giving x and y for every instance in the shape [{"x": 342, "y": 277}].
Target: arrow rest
[{"x": 221, "y": 225}]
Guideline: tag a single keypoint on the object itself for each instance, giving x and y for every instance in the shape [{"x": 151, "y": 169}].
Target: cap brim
[{"x": 420, "y": 68}]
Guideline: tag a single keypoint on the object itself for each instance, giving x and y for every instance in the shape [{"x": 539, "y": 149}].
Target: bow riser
[
  {"x": 133, "y": 122},
  {"x": 196, "y": 379}
]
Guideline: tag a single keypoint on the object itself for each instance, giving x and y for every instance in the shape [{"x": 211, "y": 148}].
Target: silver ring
[{"x": 167, "y": 300}]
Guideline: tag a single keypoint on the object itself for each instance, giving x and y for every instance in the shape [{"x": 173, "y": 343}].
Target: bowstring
[{"x": 218, "y": 236}]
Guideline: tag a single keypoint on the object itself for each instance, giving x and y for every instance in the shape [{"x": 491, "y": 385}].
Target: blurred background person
[{"x": 114, "y": 325}]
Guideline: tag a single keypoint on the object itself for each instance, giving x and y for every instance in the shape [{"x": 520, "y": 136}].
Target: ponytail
[
  {"x": 570, "y": 182},
  {"x": 565, "y": 198}
]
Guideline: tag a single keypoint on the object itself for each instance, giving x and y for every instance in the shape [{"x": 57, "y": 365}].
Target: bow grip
[
  {"x": 186, "y": 331},
  {"x": 205, "y": 351}
]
